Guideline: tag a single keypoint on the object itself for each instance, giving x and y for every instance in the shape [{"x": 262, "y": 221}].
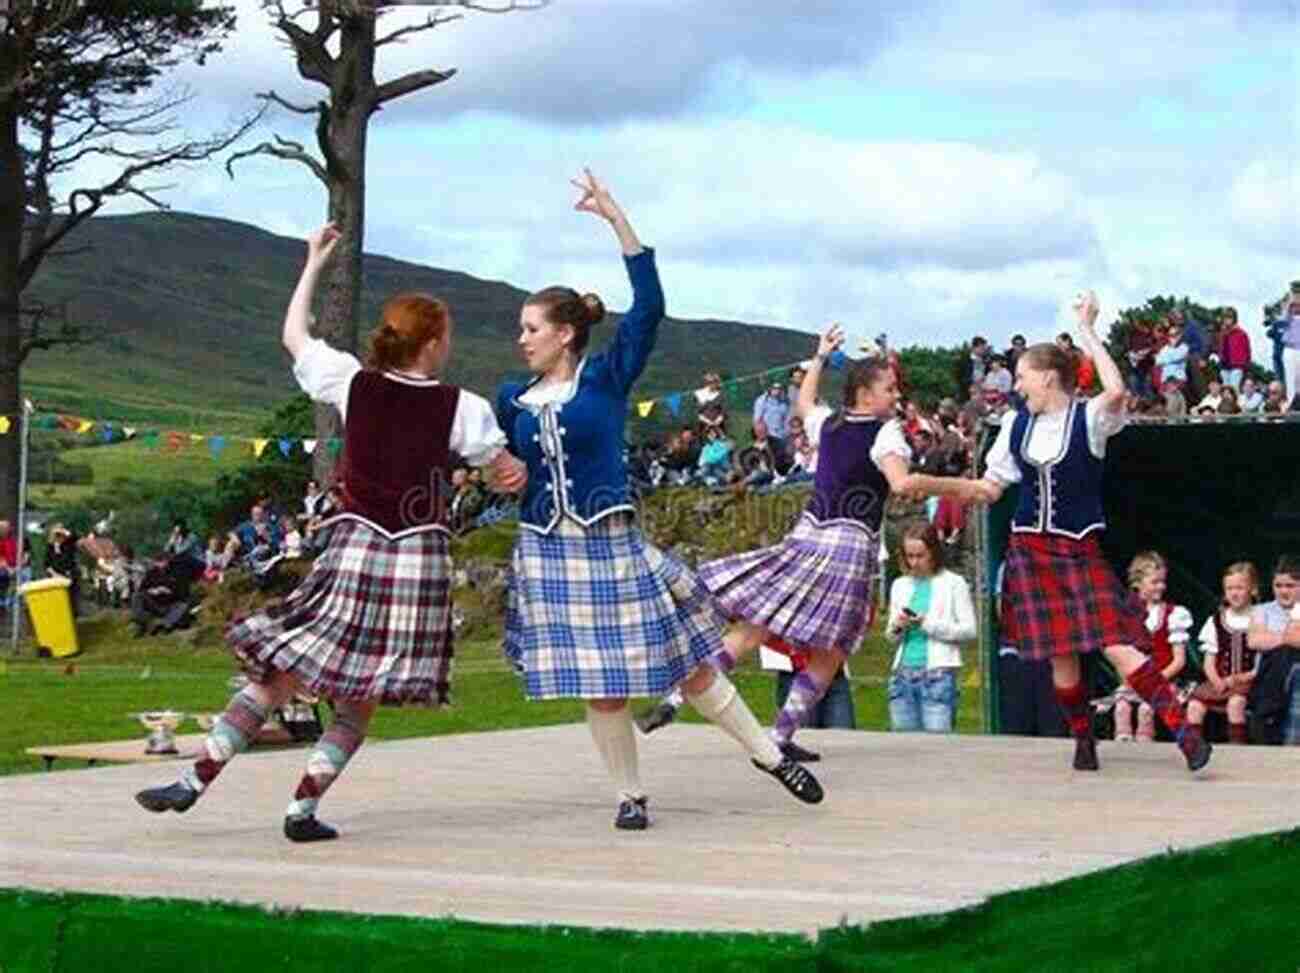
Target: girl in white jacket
[{"x": 930, "y": 615}]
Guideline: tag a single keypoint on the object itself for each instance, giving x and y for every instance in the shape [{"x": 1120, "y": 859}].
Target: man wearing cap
[{"x": 773, "y": 409}]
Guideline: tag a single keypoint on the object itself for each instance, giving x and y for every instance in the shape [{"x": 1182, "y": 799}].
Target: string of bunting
[
  {"x": 732, "y": 389},
  {"x": 172, "y": 441}
]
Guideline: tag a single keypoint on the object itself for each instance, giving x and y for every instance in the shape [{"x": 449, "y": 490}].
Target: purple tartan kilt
[
  {"x": 1060, "y": 597},
  {"x": 813, "y": 590},
  {"x": 371, "y": 621}
]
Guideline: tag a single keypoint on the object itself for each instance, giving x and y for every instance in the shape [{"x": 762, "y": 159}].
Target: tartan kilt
[
  {"x": 371, "y": 621},
  {"x": 598, "y": 613},
  {"x": 1060, "y": 597},
  {"x": 813, "y": 590}
]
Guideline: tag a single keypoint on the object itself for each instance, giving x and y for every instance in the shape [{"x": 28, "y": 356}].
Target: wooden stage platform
[{"x": 516, "y": 827}]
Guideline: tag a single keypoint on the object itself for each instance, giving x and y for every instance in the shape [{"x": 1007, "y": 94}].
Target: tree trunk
[
  {"x": 12, "y": 196},
  {"x": 351, "y": 103}
]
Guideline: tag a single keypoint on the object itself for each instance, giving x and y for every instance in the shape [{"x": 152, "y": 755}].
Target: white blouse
[
  {"x": 889, "y": 441},
  {"x": 1045, "y": 439},
  {"x": 326, "y": 374}
]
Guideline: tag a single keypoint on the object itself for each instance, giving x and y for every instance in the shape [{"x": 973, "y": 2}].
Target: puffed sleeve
[
  {"x": 1000, "y": 466},
  {"x": 890, "y": 441},
  {"x": 1180, "y": 625},
  {"x": 640, "y": 325},
  {"x": 475, "y": 434},
  {"x": 1209, "y": 637},
  {"x": 1102, "y": 424},
  {"x": 506, "y": 411},
  {"x": 326, "y": 373},
  {"x": 813, "y": 422}
]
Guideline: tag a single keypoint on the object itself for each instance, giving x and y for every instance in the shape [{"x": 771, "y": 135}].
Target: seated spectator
[
  {"x": 682, "y": 457},
  {"x": 1174, "y": 403},
  {"x": 1210, "y": 402},
  {"x": 293, "y": 537},
  {"x": 930, "y": 615},
  {"x": 215, "y": 560},
  {"x": 1273, "y": 703},
  {"x": 184, "y": 542},
  {"x": 313, "y": 499},
  {"x": 804, "y": 466},
  {"x": 1252, "y": 399},
  {"x": 1275, "y": 401},
  {"x": 259, "y": 528},
  {"x": 715, "y": 459},
  {"x": 757, "y": 463},
  {"x": 1228, "y": 404},
  {"x": 163, "y": 601},
  {"x": 1170, "y": 627},
  {"x": 713, "y": 416},
  {"x": 1229, "y": 661},
  {"x": 61, "y": 562},
  {"x": 103, "y": 555},
  {"x": 8, "y": 559}
]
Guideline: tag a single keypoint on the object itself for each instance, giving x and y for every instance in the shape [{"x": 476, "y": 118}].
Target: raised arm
[
  {"x": 1112, "y": 382},
  {"x": 297, "y": 318},
  {"x": 830, "y": 340}
]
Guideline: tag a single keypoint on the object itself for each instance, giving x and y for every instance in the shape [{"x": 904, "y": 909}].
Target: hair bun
[{"x": 594, "y": 307}]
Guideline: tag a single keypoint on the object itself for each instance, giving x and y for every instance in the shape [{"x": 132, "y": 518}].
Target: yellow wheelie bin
[{"x": 50, "y": 604}]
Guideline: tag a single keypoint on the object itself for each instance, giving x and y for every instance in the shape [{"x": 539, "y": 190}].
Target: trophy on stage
[{"x": 162, "y": 726}]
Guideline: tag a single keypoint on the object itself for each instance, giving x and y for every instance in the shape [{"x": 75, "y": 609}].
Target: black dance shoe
[
  {"x": 1196, "y": 749},
  {"x": 796, "y": 778},
  {"x": 1085, "y": 754},
  {"x": 178, "y": 797},
  {"x": 798, "y": 754},
  {"x": 308, "y": 829},
  {"x": 632, "y": 815},
  {"x": 659, "y": 715}
]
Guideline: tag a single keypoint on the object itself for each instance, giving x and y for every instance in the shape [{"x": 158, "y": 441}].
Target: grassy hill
[{"x": 191, "y": 307}]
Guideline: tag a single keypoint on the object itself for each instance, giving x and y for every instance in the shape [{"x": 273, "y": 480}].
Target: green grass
[
  {"x": 1226, "y": 907},
  {"x": 89, "y": 698}
]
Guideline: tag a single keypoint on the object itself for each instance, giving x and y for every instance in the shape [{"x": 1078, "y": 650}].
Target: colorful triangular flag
[
  {"x": 674, "y": 403},
  {"x": 4, "y": 425},
  {"x": 128, "y": 432},
  {"x": 286, "y": 447},
  {"x": 643, "y": 408},
  {"x": 309, "y": 446},
  {"x": 259, "y": 446},
  {"x": 215, "y": 445},
  {"x": 150, "y": 438},
  {"x": 85, "y": 425}
]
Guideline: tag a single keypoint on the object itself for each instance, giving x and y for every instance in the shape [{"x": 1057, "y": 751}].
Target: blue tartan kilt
[{"x": 597, "y": 613}]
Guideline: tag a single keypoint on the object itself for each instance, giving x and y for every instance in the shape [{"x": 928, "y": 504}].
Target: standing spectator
[
  {"x": 1143, "y": 343},
  {"x": 61, "y": 562},
  {"x": 1252, "y": 399},
  {"x": 1172, "y": 356},
  {"x": 997, "y": 383},
  {"x": 467, "y": 500},
  {"x": 1234, "y": 349},
  {"x": 8, "y": 560},
  {"x": 1290, "y": 373},
  {"x": 713, "y": 416},
  {"x": 1085, "y": 372},
  {"x": 930, "y": 615},
  {"x": 971, "y": 369},
  {"x": 1193, "y": 335},
  {"x": 796, "y": 382},
  {"x": 1014, "y": 352},
  {"x": 313, "y": 501},
  {"x": 772, "y": 408},
  {"x": 1229, "y": 662},
  {"x": 1276, "y": 400},
  {"x": 1275, "y": 633}
]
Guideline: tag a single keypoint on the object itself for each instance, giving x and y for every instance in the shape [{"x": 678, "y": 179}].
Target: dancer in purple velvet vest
[
  {"x": 371, "y": 622},
  {"x": 1061, "y": 599},
  {"x": 594, "y": 611},
  {"x": 813, "y": 591}
]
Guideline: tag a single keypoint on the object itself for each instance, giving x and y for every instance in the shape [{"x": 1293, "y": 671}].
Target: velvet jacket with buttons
[
  {"x": 1063, "y": 495},
  {"x": 574, "y": 448}
]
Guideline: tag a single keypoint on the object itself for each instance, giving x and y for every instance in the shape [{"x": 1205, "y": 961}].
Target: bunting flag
[
  {"x": 196, "y": 438},
  {"x": 128, "y": 432},
  {"x": 107, "y": 434},
  {"x": 335, "y": 446},
  {"x": 151, "y": 439},
  {"x": 259, "y": 446},
  {"x": 4, "y": 425},
  {"x": 674, "y": 403},
  {"x": 837, "y": 359},
  {"x": 215, "y": 445},
  {"x": 175, "y": 441},
  {"x": 85, "y": 425},
  {"x": 309, "y": 446},
  {"x": 735, "y": 394},
  {"x": 286, "y": 447},
  {"x": 643, "y": 408}
]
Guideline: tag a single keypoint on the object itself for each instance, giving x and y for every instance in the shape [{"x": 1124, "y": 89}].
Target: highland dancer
[
  {"x": 1061, "y": 598},
  {"x": 370, "y": 623},
  {"x": 813, "y": 591},
  {"x": 594, "y": 611}
]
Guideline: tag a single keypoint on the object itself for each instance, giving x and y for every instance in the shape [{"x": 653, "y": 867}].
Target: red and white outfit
[
  {"x": 1223, "y": 640},
  {"x": 1169, "y": 626}
]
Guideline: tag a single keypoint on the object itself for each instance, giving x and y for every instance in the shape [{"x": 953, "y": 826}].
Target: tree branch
[
  {"x": 34, "y": 337},
  {"x": 434, "y": 21},
  {"x": 300, "y": 109},
  {"x": 410, "y": 82},
  {"x": 282, "y": 148}
]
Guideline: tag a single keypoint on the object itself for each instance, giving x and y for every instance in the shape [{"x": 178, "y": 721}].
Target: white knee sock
[
  {"x": 721, "y": 705},
  {"x": 616, "y": 743}
]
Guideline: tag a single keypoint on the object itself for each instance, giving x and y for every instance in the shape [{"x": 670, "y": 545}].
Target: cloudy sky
[{"x": 929, "y": 169}]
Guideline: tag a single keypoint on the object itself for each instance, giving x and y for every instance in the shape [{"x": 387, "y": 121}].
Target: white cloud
[{"x": 1265, "y": 202}]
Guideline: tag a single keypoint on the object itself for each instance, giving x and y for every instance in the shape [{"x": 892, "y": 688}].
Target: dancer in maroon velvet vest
[
  {"x": 371, "y": 622},
  {"x": 1062, "y": 600}
]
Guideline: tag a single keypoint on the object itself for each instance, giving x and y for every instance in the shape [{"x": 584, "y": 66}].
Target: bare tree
[
  {"x": 335, "y": 43},
  {"x": 76, "y": 86}
]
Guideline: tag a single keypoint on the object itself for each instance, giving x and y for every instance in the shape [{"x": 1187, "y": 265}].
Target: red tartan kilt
[{"x": 1060, "y": 597}]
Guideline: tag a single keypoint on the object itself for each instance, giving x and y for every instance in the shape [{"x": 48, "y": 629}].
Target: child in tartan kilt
[
  {"x": 594, "y": 611},
  {"x": 1230, "y": 663},
  {"x": 1062, "y": 600},
  {"x": 371, "y": 622},
  {"x": 1171, "y": 629}
]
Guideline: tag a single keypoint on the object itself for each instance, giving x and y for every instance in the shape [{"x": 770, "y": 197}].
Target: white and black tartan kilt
[
  {"x": 371, "y": 621},
  {"x": 598, "y": 613}
]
